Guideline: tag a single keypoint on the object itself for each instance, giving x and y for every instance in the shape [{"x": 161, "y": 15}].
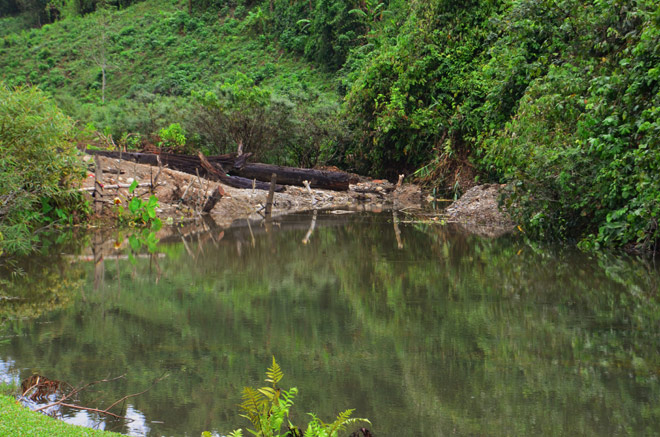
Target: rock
[{"x": 478, "y": 211}]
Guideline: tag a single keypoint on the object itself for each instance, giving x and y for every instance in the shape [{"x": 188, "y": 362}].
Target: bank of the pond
[
  {"x": 18, "y": 421},
  {"x": 182, "y": 195}
]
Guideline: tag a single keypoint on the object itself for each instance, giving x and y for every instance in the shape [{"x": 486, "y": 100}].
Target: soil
[
  {"x": 181, "y": 196},
  {"x": 478, "y": 211}
]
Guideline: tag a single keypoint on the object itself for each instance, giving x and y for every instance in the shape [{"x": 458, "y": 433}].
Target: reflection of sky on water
[
  {"x": 5, "y": 374},
  {"x": 136, "y": 424}
]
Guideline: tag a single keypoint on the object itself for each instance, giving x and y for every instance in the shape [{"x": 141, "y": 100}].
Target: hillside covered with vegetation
[{"x": 558, "y": 99}]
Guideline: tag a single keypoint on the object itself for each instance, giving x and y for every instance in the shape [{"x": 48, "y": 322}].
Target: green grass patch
[{"x": 18, "y": 421}]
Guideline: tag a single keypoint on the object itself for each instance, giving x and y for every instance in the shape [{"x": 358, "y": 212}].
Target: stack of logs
[{"x": 236, "y": 172}]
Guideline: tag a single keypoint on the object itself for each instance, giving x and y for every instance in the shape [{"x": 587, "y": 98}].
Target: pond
[{"x": 420, "y": 327}]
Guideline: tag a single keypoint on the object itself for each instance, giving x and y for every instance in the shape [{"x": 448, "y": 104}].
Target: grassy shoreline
[{"x": 18, "y": 421}]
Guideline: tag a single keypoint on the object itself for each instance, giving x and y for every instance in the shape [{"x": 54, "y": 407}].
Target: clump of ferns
[{"x": 267, "y": 408}]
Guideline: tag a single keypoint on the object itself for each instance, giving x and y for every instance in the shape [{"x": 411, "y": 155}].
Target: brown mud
[
  {"x": 479, "y": 212},
  {"x": 181, "y": 196}
]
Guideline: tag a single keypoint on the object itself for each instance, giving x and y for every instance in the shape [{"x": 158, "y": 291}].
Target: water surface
[{"x": 421, "y": 328}]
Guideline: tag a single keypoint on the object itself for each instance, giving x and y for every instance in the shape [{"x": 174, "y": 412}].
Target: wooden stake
[
  {"x": 271, "y": 193},
  {"x": 309, "y": 190},
  {"x": 98, "y": 186},
  {"x": 212, "y": 200},
  {"x": 399, "y": 182}
]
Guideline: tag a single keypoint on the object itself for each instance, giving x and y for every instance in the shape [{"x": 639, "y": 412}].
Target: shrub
[
  {"x": 173, "y": 138},
  {"x": 39, "y": 166}
]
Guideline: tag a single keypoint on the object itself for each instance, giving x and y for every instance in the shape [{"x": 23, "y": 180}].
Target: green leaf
[
  {"x": 153, "y": 201},
  {"x": 156, "y": 225},
  {"x": 134, "y": 205},
  {"x": 358, "y": 12},
  {"x": 134, "y": 242},
  {"x": 133, "y": 186},
  {"x": 274, "y": 373}
]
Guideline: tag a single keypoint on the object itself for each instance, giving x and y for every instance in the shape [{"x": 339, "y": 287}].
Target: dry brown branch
[
  {"x": 156, "y": 381},
  {"x": 117, "y": 186},
  {"x": 75, "y": 391},
  {"x": 95, "y": 410},
  {"x": 62, "y": 401}
]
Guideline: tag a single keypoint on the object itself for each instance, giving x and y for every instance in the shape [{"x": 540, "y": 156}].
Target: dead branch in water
[{"x": 51, "y": 387}]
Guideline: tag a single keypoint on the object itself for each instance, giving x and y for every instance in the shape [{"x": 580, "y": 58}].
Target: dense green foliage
[
  {"x": 39, "y": 167},
  {"x": 558, "y": 98},
  {"x": 214, "y": 77}
]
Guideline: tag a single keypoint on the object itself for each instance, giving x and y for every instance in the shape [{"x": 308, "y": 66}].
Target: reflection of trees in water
[
  {"x": 36, "y": 286},
  {"x": 521, "y": 320},
  {"x": 452, "y": 332}
]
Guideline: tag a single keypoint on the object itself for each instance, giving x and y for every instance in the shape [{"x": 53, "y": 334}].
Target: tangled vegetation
[
  {"x": 39, "y": 167},
  {"x": 557, "y": 98}
]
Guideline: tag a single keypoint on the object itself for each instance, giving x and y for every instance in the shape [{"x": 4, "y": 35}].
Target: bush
[
  {"x": 39, "y": 166},
  {"x": 582, "y": 151}
]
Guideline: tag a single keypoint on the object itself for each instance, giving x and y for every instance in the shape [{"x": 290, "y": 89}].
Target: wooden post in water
[
  {"x": 312, "y": 225},
  {"x": 271, "y": 194},
  {"x": 99, "y": 261},
  {"x": 397, "y": 231},
  {"x": 98, "y": 186}
]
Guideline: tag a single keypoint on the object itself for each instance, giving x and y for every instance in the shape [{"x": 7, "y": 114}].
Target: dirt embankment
[
  {"x": 181, "y": 195},
  {"x": 181, "y": 198},
  {"x": 479, "y": 212}
]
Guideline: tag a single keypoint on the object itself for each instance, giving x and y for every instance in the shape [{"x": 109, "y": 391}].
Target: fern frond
[
  {"x": 343, "y": 420},
  {"x": 358, "y": 12},
  {"x": 253, "y": 405},
  {"x": 288, "y": 395},
  {"x": 315, "y": 427},
  {"x": 274, "y": 374},
  {"x": 270, "y": 393},
  {"x": 236, "y": 433}
]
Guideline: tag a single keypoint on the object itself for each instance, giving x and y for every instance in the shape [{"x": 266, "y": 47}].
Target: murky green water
[{"x": 434, "y": 333}]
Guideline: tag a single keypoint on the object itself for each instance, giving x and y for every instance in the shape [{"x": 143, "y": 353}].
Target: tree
[
  {"x": 98, "y": 48},
  {"x": 238, "y": 112}
]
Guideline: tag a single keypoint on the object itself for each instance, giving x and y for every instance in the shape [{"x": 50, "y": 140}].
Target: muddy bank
[
  {"x": 181, "y": 198},
  {"x": 181, "y": 195},
  {"x": 478, "y": 211}
]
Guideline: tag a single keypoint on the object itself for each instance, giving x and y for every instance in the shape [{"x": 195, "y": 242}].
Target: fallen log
[
  {"x": 217, "y": 172},
  {"x": 184, "y": 163},
  {"x": 236, "y": 166},
  {"x": 331, "y": 180},
  {"x": 191, "y": 165}
]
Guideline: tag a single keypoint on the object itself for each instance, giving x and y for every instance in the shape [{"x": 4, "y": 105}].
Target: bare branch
[{"x": 156, "y": 381}]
